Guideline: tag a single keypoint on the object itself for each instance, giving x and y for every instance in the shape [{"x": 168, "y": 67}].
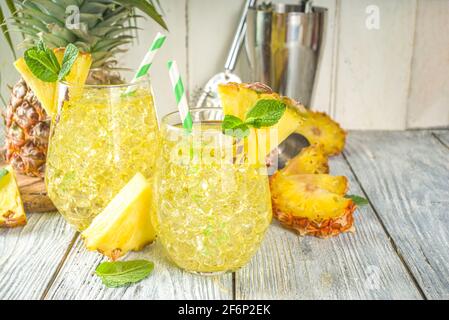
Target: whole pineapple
[
  {"x": 105, "y": 26},
  {"x": 27, "y": 131}
]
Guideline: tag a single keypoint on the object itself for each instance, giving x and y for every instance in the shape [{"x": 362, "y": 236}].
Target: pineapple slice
[
  {"x": 319, "y": 128},
  {"x": 294, "y": 194},
  {"x": 12, "y": 213},
  {"x": 238, "y": 99},
  {"x": 311, "y": 203},
  {"x": 125, "y": 224},
  {"x": 334, "y": 184},
  {"x": 46, "y": 92},
  {"x": 305, "y": 206},
  {"x": 310, "y": 160}
]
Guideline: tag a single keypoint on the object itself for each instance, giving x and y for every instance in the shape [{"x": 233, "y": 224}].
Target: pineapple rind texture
[
  {"x": 125, "y": 224},
  {"x": 27, "y": 131},
  {"x": 12, "y": 213}
]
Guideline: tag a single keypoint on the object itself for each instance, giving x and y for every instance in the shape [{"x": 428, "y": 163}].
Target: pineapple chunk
[
  {"x": 319, "y": 128},
  {"x": 125, "y": 224},
  {"x": 310, "y": 160},
  {"x": 12, "y": 213},
  {"x": 46, "y": 92},
  {"x": 238, "y": 99}
]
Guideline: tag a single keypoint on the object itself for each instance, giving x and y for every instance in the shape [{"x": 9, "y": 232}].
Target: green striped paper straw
[
  {"x": 148, "y": 59},
  {"x": 180, "y": 95}
]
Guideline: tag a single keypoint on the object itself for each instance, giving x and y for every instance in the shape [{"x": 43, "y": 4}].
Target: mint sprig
[
  {"x": 44, "y": 65},
  {"x": 122, "y": 273},
  {"x": 358, "y": 200},
  {"x": 265, "y": 113}
]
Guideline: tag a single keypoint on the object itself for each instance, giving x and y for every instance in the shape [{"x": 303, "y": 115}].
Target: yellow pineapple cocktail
[
  {"x": 213, "y": 206},
  {"x": 101, "y": 137}
]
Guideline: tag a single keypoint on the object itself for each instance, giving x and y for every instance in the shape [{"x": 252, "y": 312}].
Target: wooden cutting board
[{"x": 33, "y": 192}]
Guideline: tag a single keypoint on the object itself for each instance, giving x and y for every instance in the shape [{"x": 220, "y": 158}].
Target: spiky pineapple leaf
[
  {"x": 4, "y": 28},
  {"x": 147, "y": 7}
]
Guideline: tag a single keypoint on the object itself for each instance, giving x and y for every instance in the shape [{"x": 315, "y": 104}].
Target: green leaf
[
  {"x": 5, "y": 31},
  {"x": 147, "y": 8},
  {"x": 265, "y": 113},
  {"x": 358, "y": 200},
  {"x": 122, "y": 273},
  {"x": 3, "y": 172},
  {"x": 70, "y": 55},
  {"x": 41, "y": 65},
  {"x": 235, "y": 127}
]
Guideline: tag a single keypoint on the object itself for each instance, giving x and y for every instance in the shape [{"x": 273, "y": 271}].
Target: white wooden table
[{"x": 399, "y": 251}]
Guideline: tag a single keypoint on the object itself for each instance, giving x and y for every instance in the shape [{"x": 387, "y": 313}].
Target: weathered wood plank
[
  {"x": 29, "y": 256},
  {"x": 76, "y": 280},
  {"x": 443, "y": 136},
  {"x": 406, "y": 177},
  {"x": 363, "y": 265}
]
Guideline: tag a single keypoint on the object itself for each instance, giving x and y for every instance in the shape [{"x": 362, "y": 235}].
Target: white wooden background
[{"x": 394, "y": 77}]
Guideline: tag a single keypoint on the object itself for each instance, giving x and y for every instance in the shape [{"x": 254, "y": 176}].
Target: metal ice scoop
[{"x": 209, "y": 96}]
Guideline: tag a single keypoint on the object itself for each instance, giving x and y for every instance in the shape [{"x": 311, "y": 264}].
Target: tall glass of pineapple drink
[
  {"x": 101, "y": 137},
  {"x": 213, "y": 205}
]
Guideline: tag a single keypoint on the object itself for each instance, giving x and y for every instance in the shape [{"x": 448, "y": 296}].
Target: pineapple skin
[
  {"x": 12, "y": 213},
  {"x": 27, "y": 131}
]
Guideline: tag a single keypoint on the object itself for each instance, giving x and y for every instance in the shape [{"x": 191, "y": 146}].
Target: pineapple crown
[{"x": 100, "y": 27}]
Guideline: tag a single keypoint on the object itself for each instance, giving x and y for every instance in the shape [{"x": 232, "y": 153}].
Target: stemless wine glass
[
  {"x": 213, "y": 207},
  {"x": 101, "y": 137}
]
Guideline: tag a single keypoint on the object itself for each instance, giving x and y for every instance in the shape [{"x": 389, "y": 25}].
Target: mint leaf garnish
[
  {"x": 3, "y": 172},
  {"x": 70, "y": 55},
  {"x": 44, "y": 65},
  {"x": 121, "y": 273},
  {"x": 265, "y": 113},
  {"x": 358, "y": 200},
  {"x": 234, "y": 127},
  {"x": 41, "y": 65}
]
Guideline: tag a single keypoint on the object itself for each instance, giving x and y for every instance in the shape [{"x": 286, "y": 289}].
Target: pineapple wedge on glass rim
[
  {"x": 12, "y": 213},
  {"x": 238, "y": 98},
  {"x": 126, "y": 222},
  {"x": 46, "y": 92}
]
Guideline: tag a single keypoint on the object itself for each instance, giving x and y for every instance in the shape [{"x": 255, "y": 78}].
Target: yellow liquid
[
  {"x": 99, "y": 143},
  {"x": 213, "y": 216}
]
